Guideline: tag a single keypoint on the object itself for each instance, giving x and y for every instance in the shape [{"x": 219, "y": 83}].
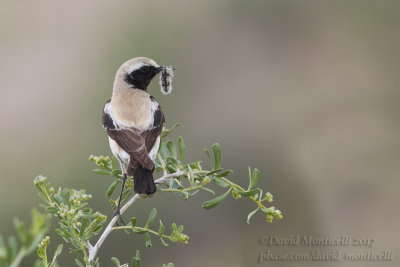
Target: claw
[{"x": 117, "y": 213}]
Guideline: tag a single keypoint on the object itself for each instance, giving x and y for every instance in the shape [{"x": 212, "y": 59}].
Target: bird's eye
[{"x": 144, "y": 69}]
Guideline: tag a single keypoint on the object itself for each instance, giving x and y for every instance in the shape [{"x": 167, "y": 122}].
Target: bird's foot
[{"x": 117, "y": 213}]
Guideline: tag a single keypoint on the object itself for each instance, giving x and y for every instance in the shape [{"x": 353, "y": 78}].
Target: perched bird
[{"x": 133, "y": 120}]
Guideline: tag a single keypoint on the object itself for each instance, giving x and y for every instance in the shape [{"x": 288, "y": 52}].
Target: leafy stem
[
  {"x": 175, "y": 236},
  {"x": 241, "y": 189},
  {"x": 42, "y": 253},
  {"x": 78, "y": 223},
  {"x": 82, "y": 246}
]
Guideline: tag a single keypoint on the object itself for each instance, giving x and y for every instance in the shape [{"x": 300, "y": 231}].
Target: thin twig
[
  {"x": 19, "y": 257},
  {"x": 94, "y": 249}
]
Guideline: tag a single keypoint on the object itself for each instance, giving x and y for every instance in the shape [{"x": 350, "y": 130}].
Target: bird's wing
[
  {"x": 133, "y": 143},
  {"x": 150, "y": 136}
]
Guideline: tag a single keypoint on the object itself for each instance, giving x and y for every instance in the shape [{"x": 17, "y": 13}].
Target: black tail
[{"x": 144, "y": 183}]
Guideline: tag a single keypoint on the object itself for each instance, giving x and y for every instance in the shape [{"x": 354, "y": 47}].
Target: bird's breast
[{"x": 132, "y": 109}]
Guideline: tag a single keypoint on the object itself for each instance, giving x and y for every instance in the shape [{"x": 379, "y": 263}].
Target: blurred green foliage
[{"x": 12, "y": 252}]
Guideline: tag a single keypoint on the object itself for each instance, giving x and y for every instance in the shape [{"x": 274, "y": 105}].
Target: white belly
[{"x": 118, "y": 152}]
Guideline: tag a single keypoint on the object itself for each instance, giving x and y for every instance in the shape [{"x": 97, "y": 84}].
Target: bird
[{"x": 133, "y": 120}]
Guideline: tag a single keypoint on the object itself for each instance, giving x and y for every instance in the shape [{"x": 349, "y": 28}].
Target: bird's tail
[{"x": 144, "y": 183}]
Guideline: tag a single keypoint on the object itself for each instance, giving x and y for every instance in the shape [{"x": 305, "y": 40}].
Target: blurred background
[{"x": 306, "y": 91}]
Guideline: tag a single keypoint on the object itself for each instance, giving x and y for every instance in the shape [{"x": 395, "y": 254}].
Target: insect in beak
[{"x": 166, "y": 79}]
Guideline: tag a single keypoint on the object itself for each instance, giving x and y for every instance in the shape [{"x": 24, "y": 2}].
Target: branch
[
  {"x": 18, "y": 259},
  {"x": 79, "y": 223},
  {"x": 94, "y": 249}
]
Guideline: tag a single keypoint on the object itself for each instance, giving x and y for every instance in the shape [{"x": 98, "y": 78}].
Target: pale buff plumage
[
  {"x": 133, "y": 121},
  {"x": 131, "y": 107}
]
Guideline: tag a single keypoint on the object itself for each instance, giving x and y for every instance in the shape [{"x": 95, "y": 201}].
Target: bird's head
[{"x": 138, "y": 72}]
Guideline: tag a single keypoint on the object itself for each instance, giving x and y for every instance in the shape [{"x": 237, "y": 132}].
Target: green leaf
[
  {"x": 214, "y": 202},
  {"x": 126, "y": 194},
  {"x": 139, "y": 231},
  {"x": 172, "y": 164},
  {"x": 43, "y": 197},
  {"x": 191, "y": 176},
  {"x": 196, "y": 165},
  {"x": 36, "y": 240},
  {"x": 59, "y": 199},
  {"x": 148, "y": 239},
  {"x": 260, "y": 195},
  {"x": 133, "y": 221},
  {"x": 192, "y": 194},
  {"x": 251, "y": 214},
  {"x": 21, "y": 231},
  {"x": 79, "y": 263},
  {"x": 39, "y": 252},
  {"x": 64, "y": 192},
  {"x": 172, "y": 149},
  {"x": 174, "y": 227},
  {"x": 111, "y": 188},
  {"x": 164, "y": 151},
  {"x": 60, "y": 233},
  {"x": 12, "y": 246},
  {"x": 224, "y": 174},
  {"x": 217, "y": 155},
  {"x": 151, "y": 218},
  {"x": 214, "y": 171},
  {"x": 208, "y": 155},
  {"x": 113, "y": 162},
  {"x": 249, "y": 176},
  {"x": 85, "y": 223},
  {"x": 165, "y": 244},
  {"x": 208, "y": 189},
  {"x": 174, "y": 184},
  {"x": 101, "y": 171},
  {"x": 56, "y": 254},
  {"x": 116, "y": 173},
  {"x": 218, "y": 181},
  {"x": 254, "y": 179},
  {"x": 161, "y": 229},
  {"x": 52, "y": 210},
  {"x": 113, "y": 203},
  {"x": 182, "y": 149},
  {"x": 136, "y": 260},
  {"x": 180, "y": 229},
  {"x": 249, "y": 193},
  {"x": 116, "y": 261},
  {"x": 166, "y": 131}
]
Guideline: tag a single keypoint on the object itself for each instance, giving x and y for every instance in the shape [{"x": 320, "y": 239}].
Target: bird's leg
[{"x": 116, "y": 212}]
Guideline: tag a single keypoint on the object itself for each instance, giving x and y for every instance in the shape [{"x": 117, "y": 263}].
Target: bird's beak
[{"x": 159, "y": 69}]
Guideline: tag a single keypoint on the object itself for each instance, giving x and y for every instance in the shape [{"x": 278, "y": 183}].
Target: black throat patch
[{"x": 141, "y": 77}]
